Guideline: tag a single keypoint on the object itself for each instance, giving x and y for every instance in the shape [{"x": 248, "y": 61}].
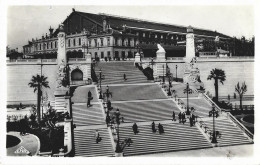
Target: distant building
[
  {"x": 108, "y": 36},
  {"x": 13, "y": 53}
]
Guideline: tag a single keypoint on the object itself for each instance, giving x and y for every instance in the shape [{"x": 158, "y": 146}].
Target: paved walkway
[{"x": 28, "y": 142}]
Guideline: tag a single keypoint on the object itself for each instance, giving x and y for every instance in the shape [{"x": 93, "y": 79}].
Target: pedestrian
[
  {"x": 173, "y": 116},
  {"x": 193, "y": 118},
  {"x": 125, "y": 77},
  {"x": 183, "y": 118},
  {"x": 107, "y": 120},
  {"x": 153, "y": 127},
  {"x": 160, "y": 127},
  {"x": 97, "y": 136},
  {"x": 89, "y": 98},
  {"x": 135, "y": 128},
  {"x": 191, "y": 122},
  {"x": 180, "y": 117}
]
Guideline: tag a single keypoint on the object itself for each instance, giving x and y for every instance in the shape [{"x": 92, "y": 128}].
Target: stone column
[
  {"x": 137, "y": 58},
  {"x": 88, "y": 58},
  {"x": 61, "y": 55},
  {"x": 190, "y": 46}
]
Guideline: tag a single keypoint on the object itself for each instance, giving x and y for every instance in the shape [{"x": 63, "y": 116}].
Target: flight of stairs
[
  {"x": 85, "y": 143},
  {"x": 231, "y": 134},
  {"x": 202, "y": 107},
  {"x": 60, "y": 104},
  {"x": 114, "y": 73},
  {"x": 177, "y": 137},
  {"x": 135, "y": 92},
  {"x": 83, "y": 115},
  {"x": 147, "y": 110}
]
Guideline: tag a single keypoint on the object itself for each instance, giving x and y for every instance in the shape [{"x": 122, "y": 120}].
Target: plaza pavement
[{"x": 30, "y": 142}]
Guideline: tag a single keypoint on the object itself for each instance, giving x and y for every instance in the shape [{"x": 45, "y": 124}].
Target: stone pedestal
[
  {"x": 137, "y": 58},
  {"x": 160, "y": 62}
]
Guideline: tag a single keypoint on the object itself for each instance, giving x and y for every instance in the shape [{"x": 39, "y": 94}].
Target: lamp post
[
  {"x": 187, "y": 90},
  {"x": 214, "y": 139},
  {"x": 117, "y": 115},
  {"x": 100, "y": 79},
  {"x": 163, "y": 75},
  {"x": 169, "y": 78},
  {"x": 176, "y": 73}
]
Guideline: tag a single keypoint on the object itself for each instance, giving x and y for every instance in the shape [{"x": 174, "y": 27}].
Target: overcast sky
[{"x": 27, "y": 22}]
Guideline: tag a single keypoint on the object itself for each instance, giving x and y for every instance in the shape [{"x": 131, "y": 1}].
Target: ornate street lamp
[
  {"x": 176, "y": 73},
  {"x": 214, "y": 112},
  {"x": 117, "y": 116},
  {"x": 188, "y": 91},
  {"x": 163, "y": 75},
  {"x": 169, "y": 78}
]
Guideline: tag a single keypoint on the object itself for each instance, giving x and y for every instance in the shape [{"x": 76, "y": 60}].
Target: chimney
[
  {"x": 46, "y": 36},
  {"x": 51, "y": 31}
]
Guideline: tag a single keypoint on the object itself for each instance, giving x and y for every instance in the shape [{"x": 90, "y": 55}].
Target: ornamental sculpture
[{"x": 62, "y": 75}]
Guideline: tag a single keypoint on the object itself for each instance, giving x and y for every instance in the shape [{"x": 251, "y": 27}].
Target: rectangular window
[
  {"x": 102, "y": 54},
  {"x": 101, "y": 41},
  {"x": 74, "y": 42},
  {"x": 51, "y": 45},
  {"x": 129, "y": 41},
  {"x": 40, "y": 46},
  {"x": 108, "y": 53},
  {"x": 55, "y": 44},
  {"x": 95, "y": 41},
  {"x": 123, "y": 42},
  {"x": 69, "y": 43},
  {"x": 79, "y": 41},
  {"x": 115, "y": 41},
  {"x": 108, "y": 41},
  {"x": 47, "y": 45}
]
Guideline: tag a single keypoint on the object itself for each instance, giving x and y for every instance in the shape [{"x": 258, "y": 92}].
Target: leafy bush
[{"x": 148, "y": 72}]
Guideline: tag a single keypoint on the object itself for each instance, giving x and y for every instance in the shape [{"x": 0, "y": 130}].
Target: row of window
[
  {"x": 124, "y": 54},
  {"x": 149, "y": 35},
  {"x": 48, "y": 45}
]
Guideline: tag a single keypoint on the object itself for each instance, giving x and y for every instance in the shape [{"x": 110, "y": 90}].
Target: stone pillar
[
  {"x": 137, "y": 58},
  {"x": 190, "y": 46},
  {"x": 88, "y": 58},
  {"x": 61, "y": 55}
]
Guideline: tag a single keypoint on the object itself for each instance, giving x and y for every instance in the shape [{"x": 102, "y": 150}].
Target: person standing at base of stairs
[
  {"x": 183, "y": 117},
  {"x": 125, "y": 77},
  {"x": 191, "y": 121}
]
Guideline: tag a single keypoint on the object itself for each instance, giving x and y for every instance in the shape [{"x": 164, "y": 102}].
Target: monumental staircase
[{"x": 142, "y": 102}]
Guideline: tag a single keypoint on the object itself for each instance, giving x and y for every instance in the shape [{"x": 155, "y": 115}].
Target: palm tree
[
  {"x": 217, "y": 75},
  {"x": 38, "y": 82},
  {"x": 241, "y": 91}
]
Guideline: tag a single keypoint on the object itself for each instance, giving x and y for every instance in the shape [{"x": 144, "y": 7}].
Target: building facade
[{"x": 113, "y": 37}]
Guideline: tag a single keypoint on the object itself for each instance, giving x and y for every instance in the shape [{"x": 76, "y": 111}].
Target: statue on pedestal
[{"x": 62, "y": 76}]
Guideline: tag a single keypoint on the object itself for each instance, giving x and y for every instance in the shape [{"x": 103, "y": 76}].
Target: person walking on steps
[
  {"x": 97, "y": 136},
  {"x": 125, "y": 77},
  {"x": 160, "y": 127},
  {"x": 180, "y": 117},
  {"x": 89, "y": 98},
  {"x": 153, "y": 127},
  {"x": 135, "y": 128},
  {"x": 191, "y": 121},
  {"x": 183, "y": 118},
  {"x": 173, "y": 116}
]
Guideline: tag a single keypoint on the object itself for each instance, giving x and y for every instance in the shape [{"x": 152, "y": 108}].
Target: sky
[{"x": 27, "y": 22}]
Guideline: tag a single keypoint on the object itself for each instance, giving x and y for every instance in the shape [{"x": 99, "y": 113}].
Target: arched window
[
  {"x": 76, "y": 75},
  {"x": 69, "y": 43}
]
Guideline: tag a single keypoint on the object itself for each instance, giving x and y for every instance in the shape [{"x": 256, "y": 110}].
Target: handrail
[
  {"x": 211, "y": 102},
  {"x": 241, "y": 126}
]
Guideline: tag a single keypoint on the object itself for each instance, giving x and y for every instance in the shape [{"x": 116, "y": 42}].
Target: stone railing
[
  {"x": 211, "y": 102},
  {"x": 241, "y": 126},
  {"x": 31, "y": 61},
  {"x": 23, "y": 60}
]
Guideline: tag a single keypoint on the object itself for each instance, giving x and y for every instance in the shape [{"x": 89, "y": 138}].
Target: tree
[
  {"x": 241, "y": 90},
  {"x": 217, "y": 75},
  {"x": 38, "y": 82}
]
